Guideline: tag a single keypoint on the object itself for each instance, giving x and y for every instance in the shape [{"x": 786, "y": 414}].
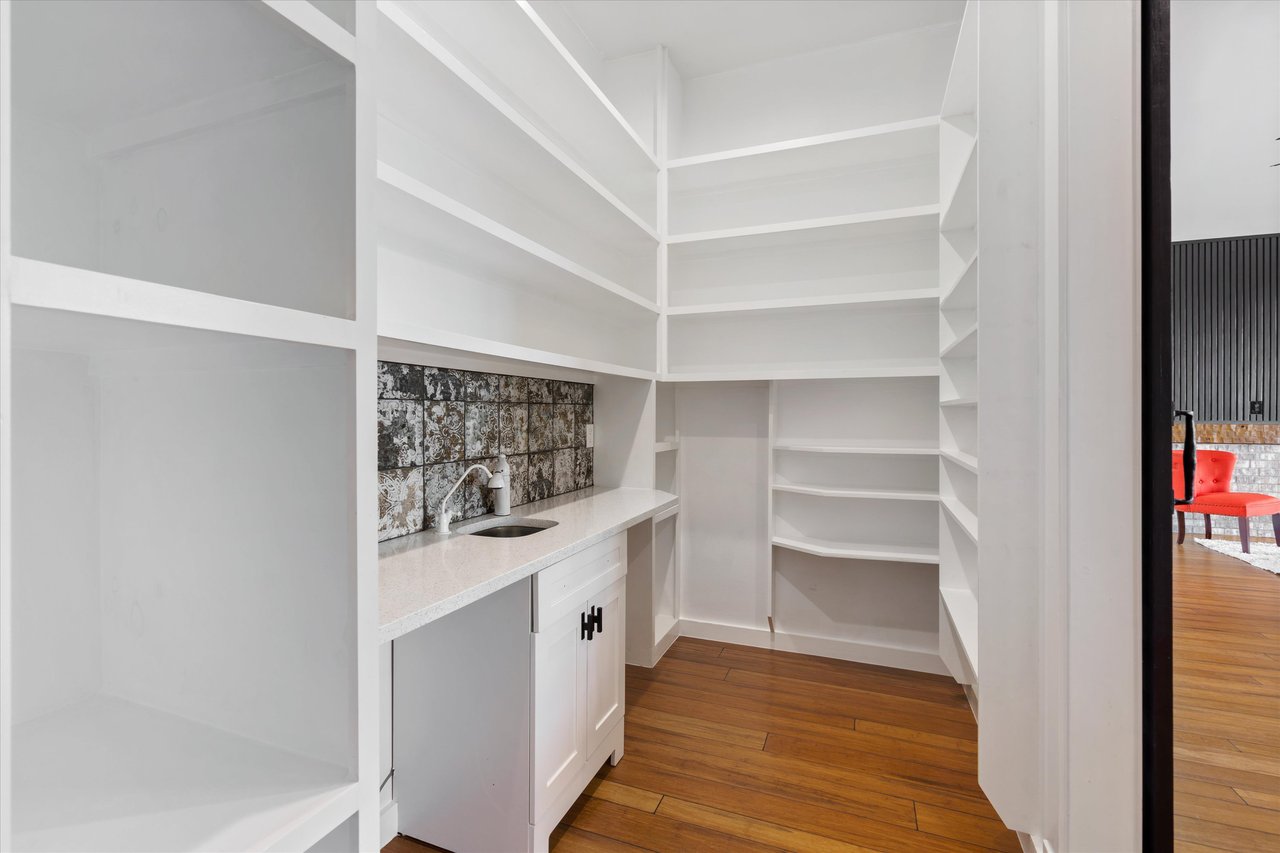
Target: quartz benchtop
[{"x": 427, "y": 575}]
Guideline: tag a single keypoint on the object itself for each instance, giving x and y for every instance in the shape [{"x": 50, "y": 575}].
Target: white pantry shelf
[
  {"x": 960, "y": 208},
  {"x": 40, "y": 284},
  {"x": 965, "y": 344},
  {"x": 667, "y": 445},
  {"x": 961, "y": 95},
  {"x": 965, "y": 517},
  {"x": 921, "y": 367},
  {"x": 879, "y": 448},
  {"x": 318, "y": 25},
  {"x": 962, "y": 607},
  {"x": 962, "y": 293},
  {"x": 870, "y": 494},
  {"x": 967, "y": 461},
  {"x": 413, "y": 333},
  {"x": 852, "y": 551},
  {"x": 917, "y": 218},
  {"x": 884, "y": 298},
  {"x": 499, "y": 72},
  {"x": 110, "y": 775},
  {"x": 959, "y": 403},
  {"x": 893, "y": 133},
  {"x": 437, "y": 224}
]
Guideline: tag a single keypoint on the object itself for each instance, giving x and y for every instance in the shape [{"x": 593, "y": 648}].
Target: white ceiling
[{"x": 710, "y": 36}]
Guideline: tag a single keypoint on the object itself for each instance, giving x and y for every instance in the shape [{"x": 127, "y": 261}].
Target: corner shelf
[
  {"x": 841, "y": 492},
  {"x": 962, "y": 294},
  {"x": 519, "y": 88},
  {"x": 667, "y": 445},
  {"x": 961, "y": 207},
  {"x": 455, "y": 229},
  {"x": 806, "y": 143},
  {"x": 965, "y": 344},
  {"x": 959, "y": 403},
  {"x": 879, "y": 449},
  {"x": 921, "y": 217},
  {"x": 962, "y": 607},
  {"x": 851, "y": 551},
  {"x": 799, "y": 373},
  {"x": 886, "y": 299},
  {"x": 413, "y": 333},
  {"x": 965, "y": 460},
  {"x": 966, "y": 518}
]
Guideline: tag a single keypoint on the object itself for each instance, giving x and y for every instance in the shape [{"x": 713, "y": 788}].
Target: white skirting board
[
  {"x": 898, "y": 657},
  {"x": 389, "y": 823}
]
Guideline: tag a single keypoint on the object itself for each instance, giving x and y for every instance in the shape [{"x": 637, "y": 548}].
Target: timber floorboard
[
  {"x": 734, "y": 748},
  {"x": 737, "y": 748},
  {"x": 1226, "y": 703}
]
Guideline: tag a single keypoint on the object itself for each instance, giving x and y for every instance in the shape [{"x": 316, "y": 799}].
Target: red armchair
[{"x": 1213, "y": 496}]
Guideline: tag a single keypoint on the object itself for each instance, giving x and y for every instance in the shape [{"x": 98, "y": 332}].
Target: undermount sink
[{"x": 505, "y": 528}]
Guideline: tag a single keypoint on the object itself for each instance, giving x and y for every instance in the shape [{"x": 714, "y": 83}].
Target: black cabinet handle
[
  {"x": 597, "y": 616},
  {"x": 588, "y": 626}
]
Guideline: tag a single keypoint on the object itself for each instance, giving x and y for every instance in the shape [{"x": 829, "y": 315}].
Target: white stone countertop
[{"x": 424, "y": 576}]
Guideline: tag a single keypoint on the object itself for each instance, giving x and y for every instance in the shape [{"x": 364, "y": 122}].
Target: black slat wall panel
[{"x": 1226, "y": 327}]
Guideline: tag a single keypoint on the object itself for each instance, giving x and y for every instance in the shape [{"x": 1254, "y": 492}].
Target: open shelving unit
[
  {"x": 496, "y": 234},
  {"x": 186, "y": 333},
  {"x": 959, "y": 404}
]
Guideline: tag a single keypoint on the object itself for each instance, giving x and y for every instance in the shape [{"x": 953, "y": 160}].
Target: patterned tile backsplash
[{"x": 435, "y": 422}]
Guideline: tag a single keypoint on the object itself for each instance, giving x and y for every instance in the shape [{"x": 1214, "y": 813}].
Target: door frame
[{"x": 1157, "y": 413}]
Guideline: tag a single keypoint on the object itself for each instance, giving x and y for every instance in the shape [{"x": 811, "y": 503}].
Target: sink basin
[
  {"x": 508, "y": 531},
  {"x": 508, "y": 527}
]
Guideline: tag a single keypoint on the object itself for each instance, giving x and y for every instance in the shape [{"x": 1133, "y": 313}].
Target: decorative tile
[
  {"x": 440, "y": 383},
  {"x": 564, "y": 471},
  {"x": 422, "y": 446},
  {"x": 561, "y": 392},
  {"x": 478, "y": 499},
  {"x": 582, "y": 416},
  {"x": 436, "y": 482},
  {"x": 514, "y": 436},
  {"x": 399, "y": 381},
  {"x": 562, "y": 434},
  {"x": 481, "y": 430},
  {"x": 541, "y": 428},
  {"x": 519, "y": 468},
  {"x": 443, "y": 433},
  {"x": 542, "y": 478},
  {"x": 400, "y": 509},
  {"x": 584, "y": 464},
  {"x": 539, "y": 390},
  {"x": 399, "y": 433},
  {"x": 483, "y": 387},
  {"x": 515, "y": 389}
]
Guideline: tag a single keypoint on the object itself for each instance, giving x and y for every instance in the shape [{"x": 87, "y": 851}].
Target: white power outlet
[{"x": 591, "y": 435}]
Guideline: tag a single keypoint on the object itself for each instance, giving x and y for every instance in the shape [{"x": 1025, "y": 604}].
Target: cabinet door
[
  {"x": 559, "y": 707},
  {"x": 606, "y": 665}
]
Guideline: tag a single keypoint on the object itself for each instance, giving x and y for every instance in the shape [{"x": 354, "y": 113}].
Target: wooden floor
[
  {"x": 1226, "y": 662},
  {"x": 732, "y": 748}
]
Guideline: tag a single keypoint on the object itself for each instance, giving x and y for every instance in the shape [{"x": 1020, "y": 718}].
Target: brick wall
[{"x": 1257, "y": 470}]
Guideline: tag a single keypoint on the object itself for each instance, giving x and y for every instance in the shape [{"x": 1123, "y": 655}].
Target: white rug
[{"x": 1264, "y": 555}]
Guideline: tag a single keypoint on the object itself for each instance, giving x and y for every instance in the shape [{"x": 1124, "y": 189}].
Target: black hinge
[
  {"x": 588, "y": 625},
  {"x": 597, "y": 616}
]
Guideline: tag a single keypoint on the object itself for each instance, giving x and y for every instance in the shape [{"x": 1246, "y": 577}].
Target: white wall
[{"x": 1225, "y": 105}]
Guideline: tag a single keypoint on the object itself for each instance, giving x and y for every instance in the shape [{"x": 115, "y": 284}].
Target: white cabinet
[
  {"x": 606, "y": 669},
  {"x": 559, "y": 709},
  {"x": 505, "y": 709},
  {"x": 579, "y": 675}
]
